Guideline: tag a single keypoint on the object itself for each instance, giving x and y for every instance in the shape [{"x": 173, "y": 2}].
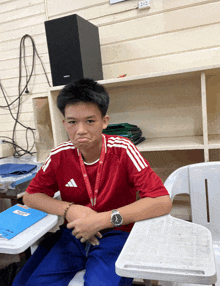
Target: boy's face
[{"x": 84, "y": 124}]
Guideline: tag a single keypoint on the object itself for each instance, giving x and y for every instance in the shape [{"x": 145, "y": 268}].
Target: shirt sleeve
[
  {"x": 141, "y": 176},
  {"x": 45, "y": 180}
]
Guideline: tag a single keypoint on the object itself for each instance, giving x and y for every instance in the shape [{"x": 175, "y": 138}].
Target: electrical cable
[
  {"x": 18, "y": 150},
  {"x": 14, "y": 144},
  {"x": 33, "y": 56}
]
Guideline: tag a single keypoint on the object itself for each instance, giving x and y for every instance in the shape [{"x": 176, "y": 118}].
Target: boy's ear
[
  {"x": 64, "y": 123},
  {"x": 105, "y": 121}
]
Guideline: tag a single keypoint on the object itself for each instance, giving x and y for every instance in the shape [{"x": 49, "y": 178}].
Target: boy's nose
[{"x": 81, "y": 129}]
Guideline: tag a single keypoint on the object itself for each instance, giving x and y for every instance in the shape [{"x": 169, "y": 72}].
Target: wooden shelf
[
  {"x": 175, "y": 111},
  {"x": 152, "y": 77},
  {"x": 161, "y": 76}
]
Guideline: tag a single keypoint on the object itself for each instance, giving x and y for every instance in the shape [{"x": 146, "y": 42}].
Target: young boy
[{"x": 98, "y": 176}]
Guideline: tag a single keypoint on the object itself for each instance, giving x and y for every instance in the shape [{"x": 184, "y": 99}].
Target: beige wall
[{"x": 171, "y": 35}]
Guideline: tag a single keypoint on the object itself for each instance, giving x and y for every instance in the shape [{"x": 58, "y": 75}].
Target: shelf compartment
[
  {"x": 214, "y": 155},
  {"x": 174, "y": 143},
  {"x": 165, "y": 109},
  {"x": 166, "y": 162},
  {"x": 214, "y": 141},
  {"x": 213, "y": 111}
]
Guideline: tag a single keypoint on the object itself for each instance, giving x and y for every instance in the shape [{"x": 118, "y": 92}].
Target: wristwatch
[{"x": 116, "y": 218}]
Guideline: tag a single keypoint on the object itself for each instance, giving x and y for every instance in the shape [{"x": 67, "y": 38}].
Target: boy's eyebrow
[{"x": 91, "y": 116}]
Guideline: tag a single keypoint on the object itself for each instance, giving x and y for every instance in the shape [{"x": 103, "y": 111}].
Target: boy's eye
[
  {"x": 90, "y": 121},
  {"x": 72, "y": 122}
]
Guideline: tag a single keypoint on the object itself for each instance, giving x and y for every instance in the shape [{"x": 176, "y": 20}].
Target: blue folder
[
  {"x": 17, "y": 218},
  {"x": 8, "y": 170}
]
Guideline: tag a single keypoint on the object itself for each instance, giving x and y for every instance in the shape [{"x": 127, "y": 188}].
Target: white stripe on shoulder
[
  {"x": 64, "y": 146},
  {"x": 131, "y": 150},
  {"x": 62, "y": 149},
  {"x": 46, "y": 165},
  {"x": 105, "y": 142},
  {"x": 68, "y": 143}
]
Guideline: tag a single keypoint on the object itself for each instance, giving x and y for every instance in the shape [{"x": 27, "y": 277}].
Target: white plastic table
[
  {"x": 168, "y": 249},
  {"x": 25, "y": 239}
]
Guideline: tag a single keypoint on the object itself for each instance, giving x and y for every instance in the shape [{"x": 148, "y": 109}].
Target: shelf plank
[
  {"x": 159, "y": 76},
  {"x": 151, "y": 77},
  {"x": 174, "y": 143}
]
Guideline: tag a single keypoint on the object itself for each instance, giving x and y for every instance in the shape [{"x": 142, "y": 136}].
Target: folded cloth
[{"x": 9, "y": 170}]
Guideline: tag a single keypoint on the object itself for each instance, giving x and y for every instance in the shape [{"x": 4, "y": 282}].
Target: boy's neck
[{"x": 93, "y": 154}]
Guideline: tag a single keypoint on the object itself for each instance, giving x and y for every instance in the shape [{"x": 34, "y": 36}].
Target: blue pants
[{"x": 57, "y": 260}]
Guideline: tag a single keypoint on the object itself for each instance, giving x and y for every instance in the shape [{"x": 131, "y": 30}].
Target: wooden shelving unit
[{"x": 179, "y": 115}]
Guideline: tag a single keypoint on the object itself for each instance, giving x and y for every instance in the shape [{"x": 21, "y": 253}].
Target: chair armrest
[
  {"x": 168, "y": 249},
  {"x": 26, "y": 238}
]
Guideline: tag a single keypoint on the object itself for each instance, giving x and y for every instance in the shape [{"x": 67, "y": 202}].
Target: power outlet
[{"x": 144, "y": 4}]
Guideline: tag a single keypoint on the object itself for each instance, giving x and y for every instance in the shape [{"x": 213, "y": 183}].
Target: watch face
[{"x": 117, "y": 219}]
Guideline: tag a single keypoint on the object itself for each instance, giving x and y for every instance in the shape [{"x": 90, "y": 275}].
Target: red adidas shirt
[{"x": 124, "y": 173}]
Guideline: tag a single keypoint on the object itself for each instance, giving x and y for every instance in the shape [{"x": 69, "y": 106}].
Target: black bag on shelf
[{"x": 130, "y": 131}]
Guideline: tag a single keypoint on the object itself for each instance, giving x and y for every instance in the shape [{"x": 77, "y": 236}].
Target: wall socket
[{"x": 144, "y": 4}]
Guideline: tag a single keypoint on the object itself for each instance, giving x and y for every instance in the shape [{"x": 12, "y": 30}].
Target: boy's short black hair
[{"x": 83, "y": 90}]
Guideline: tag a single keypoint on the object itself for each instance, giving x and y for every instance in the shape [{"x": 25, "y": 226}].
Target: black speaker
[{"x": 74, "y": 49}]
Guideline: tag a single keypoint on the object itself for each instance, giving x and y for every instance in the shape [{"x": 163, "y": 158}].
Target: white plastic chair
[{"x": 202, "y": 183}]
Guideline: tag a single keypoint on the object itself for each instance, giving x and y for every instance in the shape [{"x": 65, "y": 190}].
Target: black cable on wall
[{"x": 18, "y": 150}]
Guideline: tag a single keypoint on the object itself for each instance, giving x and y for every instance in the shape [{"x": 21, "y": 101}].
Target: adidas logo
[{"x": 71, "y": 183}]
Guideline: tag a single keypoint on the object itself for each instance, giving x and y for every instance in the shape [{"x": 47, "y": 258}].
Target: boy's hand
[{"x": 74, "y": 217}]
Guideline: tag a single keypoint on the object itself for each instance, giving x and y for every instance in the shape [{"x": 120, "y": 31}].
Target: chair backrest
[
  {"x": 205, "y": 195},
  {"x": 202, "y": 182},
  {"x": 178, "y": 182}
]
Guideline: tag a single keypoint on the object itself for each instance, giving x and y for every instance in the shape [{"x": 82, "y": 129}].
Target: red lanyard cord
[{"x": 93, "y": 196}]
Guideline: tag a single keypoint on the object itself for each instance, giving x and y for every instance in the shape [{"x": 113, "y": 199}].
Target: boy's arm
[
  {"x": 144, "y": 208},
  {"x": 45, "y": 203},
  {"x": 50, "y": 205}
]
